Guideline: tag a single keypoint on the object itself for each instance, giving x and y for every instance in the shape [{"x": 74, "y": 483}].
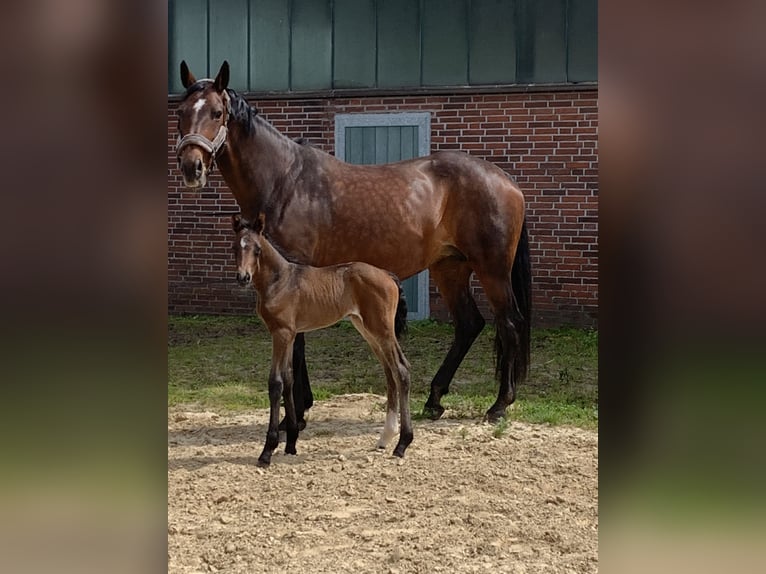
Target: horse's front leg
[
  {"x": 281, "y": 372},
  {"x": 291, "y": 418}
]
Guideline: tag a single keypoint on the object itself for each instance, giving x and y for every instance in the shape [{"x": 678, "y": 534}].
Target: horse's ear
[
  {"x": 222, "y": 79},
  {"x": 236, "y": 222},
  {"x": 187, "y": 78},
  {"x": 260, "y": 223}
]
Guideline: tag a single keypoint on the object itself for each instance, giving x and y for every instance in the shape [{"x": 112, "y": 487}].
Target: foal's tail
[{"x": 400, "y": 321}]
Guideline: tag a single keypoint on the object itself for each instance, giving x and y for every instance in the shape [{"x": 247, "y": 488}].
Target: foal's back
[{"x": 322, "y": 296}]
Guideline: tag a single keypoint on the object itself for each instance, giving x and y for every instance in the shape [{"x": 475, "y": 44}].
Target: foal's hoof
[
  {"x": 263, "y": 461},
  {"x": 399, "y": 450},
  {"x": 433, "y": 412}
]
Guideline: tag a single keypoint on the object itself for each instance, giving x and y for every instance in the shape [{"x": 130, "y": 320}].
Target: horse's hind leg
[
  {"x": 304, "y": 398},
  {"x": 451, "y": 277},
  {"x": 508, "y": 343}
]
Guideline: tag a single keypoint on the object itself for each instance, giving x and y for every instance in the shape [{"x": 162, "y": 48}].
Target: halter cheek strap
[{"x": 212, "y": 147}]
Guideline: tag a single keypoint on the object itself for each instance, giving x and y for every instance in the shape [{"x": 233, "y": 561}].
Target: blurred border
[
  {"x": 682, "y": 87},
  {"x": 83, "y": 244}
]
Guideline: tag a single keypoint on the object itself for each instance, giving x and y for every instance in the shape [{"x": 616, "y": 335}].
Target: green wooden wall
[{"x": 309, "y": 45}]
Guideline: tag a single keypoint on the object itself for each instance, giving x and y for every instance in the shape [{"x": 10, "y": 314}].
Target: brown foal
[{"x": 295, "y": 298}]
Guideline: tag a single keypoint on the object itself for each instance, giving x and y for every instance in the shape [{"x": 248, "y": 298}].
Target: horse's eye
[{"x": 217, "y": 114}]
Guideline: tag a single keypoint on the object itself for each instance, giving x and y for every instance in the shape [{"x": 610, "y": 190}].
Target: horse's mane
[
  {"x": 242, "y": 112},
  {"x": 248, "y": 117}
]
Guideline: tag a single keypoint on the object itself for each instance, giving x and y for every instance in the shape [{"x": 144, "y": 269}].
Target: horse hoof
[
  {"x": 290, "y": 450},
  {"x": 433, "y": 413},
  {"x": 494, "y": 416},
  {"x": 283, "y": 425},
  {"x": 399, "y": 451}
]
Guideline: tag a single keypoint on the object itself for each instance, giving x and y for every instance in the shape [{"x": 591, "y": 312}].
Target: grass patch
[{"x": 223, "y": 363}]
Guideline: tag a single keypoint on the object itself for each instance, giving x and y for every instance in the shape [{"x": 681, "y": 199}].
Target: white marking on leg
[{"x": 389, "y": 431}]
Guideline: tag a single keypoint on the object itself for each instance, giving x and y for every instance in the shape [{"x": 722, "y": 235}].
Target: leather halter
[{"x": 212, "y": 147}]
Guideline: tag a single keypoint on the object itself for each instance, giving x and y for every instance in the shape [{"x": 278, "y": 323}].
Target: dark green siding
[
  {"x": 398, "y": 43},
  {"x": 187, "y": 39},
  {"x": 493, "y": 42},
  {"x": 583, "y": 44},
  {"x": 228, "y": 39},
  {"x": 445, "y": 43},
  {"x": 542, "y": 41},
  {"x": 311, "y": 54},
  {"x": 354, "y": 46},
  {"x": 269, "y": 45},
  {"x": 304, "y": 45}
]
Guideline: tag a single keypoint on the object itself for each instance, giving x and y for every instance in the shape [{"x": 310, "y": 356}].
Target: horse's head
[
  {"x": 202, "y": 117},
  {"x": 248, "y": 246}
]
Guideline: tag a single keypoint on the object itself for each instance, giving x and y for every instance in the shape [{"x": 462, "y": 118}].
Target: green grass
[{"x": 223, "y": 363}]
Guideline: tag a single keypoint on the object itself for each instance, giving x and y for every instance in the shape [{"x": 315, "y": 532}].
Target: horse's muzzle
[
  {"x": 243, "y": 278},
  {"x": 193, "y": 170}
]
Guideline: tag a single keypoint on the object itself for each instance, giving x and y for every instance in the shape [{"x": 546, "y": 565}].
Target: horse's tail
[
  {"x": 521, "y": 279},
  {"x": 521, "y": 284},
  {"x": 400, "y": 321}
]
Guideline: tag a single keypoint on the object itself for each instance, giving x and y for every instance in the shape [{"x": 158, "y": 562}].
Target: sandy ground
[{"x": 460, "y": 501}]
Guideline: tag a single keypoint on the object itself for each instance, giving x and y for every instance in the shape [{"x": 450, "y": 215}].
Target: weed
[{"x": 500, "y": 427}]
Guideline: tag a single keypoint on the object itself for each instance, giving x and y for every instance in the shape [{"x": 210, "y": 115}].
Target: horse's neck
[{"x": 254, "y": 164}]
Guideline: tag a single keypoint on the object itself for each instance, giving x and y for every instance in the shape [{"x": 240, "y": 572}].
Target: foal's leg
[
  {"x": 451, "y": 277},
  {"x": 379, "y": 334},
  {"x": 389, "y": 429},
  {"x": 403, "y": 378},
  {"x": 281, "y": 346}
]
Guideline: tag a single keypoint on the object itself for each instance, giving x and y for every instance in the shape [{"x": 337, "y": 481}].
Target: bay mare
[
  {"x": 295, "y": 298},
  {"x": 448, "y": 212}
]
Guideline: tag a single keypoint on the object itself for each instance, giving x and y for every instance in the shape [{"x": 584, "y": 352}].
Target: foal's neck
[{"x": 272, "y": 266}]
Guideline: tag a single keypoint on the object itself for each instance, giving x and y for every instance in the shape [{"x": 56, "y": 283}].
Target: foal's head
[
  {"x": 202, "y": 117},
  {"x": 248, "y": 246}
]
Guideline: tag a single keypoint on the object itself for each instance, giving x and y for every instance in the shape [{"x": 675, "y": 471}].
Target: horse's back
[{"x": 415, "y": 211}]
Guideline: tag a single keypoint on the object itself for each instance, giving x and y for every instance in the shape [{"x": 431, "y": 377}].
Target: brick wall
[{"x": 548, "y": 141}]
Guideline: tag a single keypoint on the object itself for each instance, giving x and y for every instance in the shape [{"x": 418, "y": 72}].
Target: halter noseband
[{"x": 212, "y": 147}]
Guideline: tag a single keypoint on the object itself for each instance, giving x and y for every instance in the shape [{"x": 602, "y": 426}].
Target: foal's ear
[
  {"x": 260, "y": 223},
  {"x": 187, "y": 78},
  {"x": 236, "y": 222},
  {"x": 222, "y": 79}
]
